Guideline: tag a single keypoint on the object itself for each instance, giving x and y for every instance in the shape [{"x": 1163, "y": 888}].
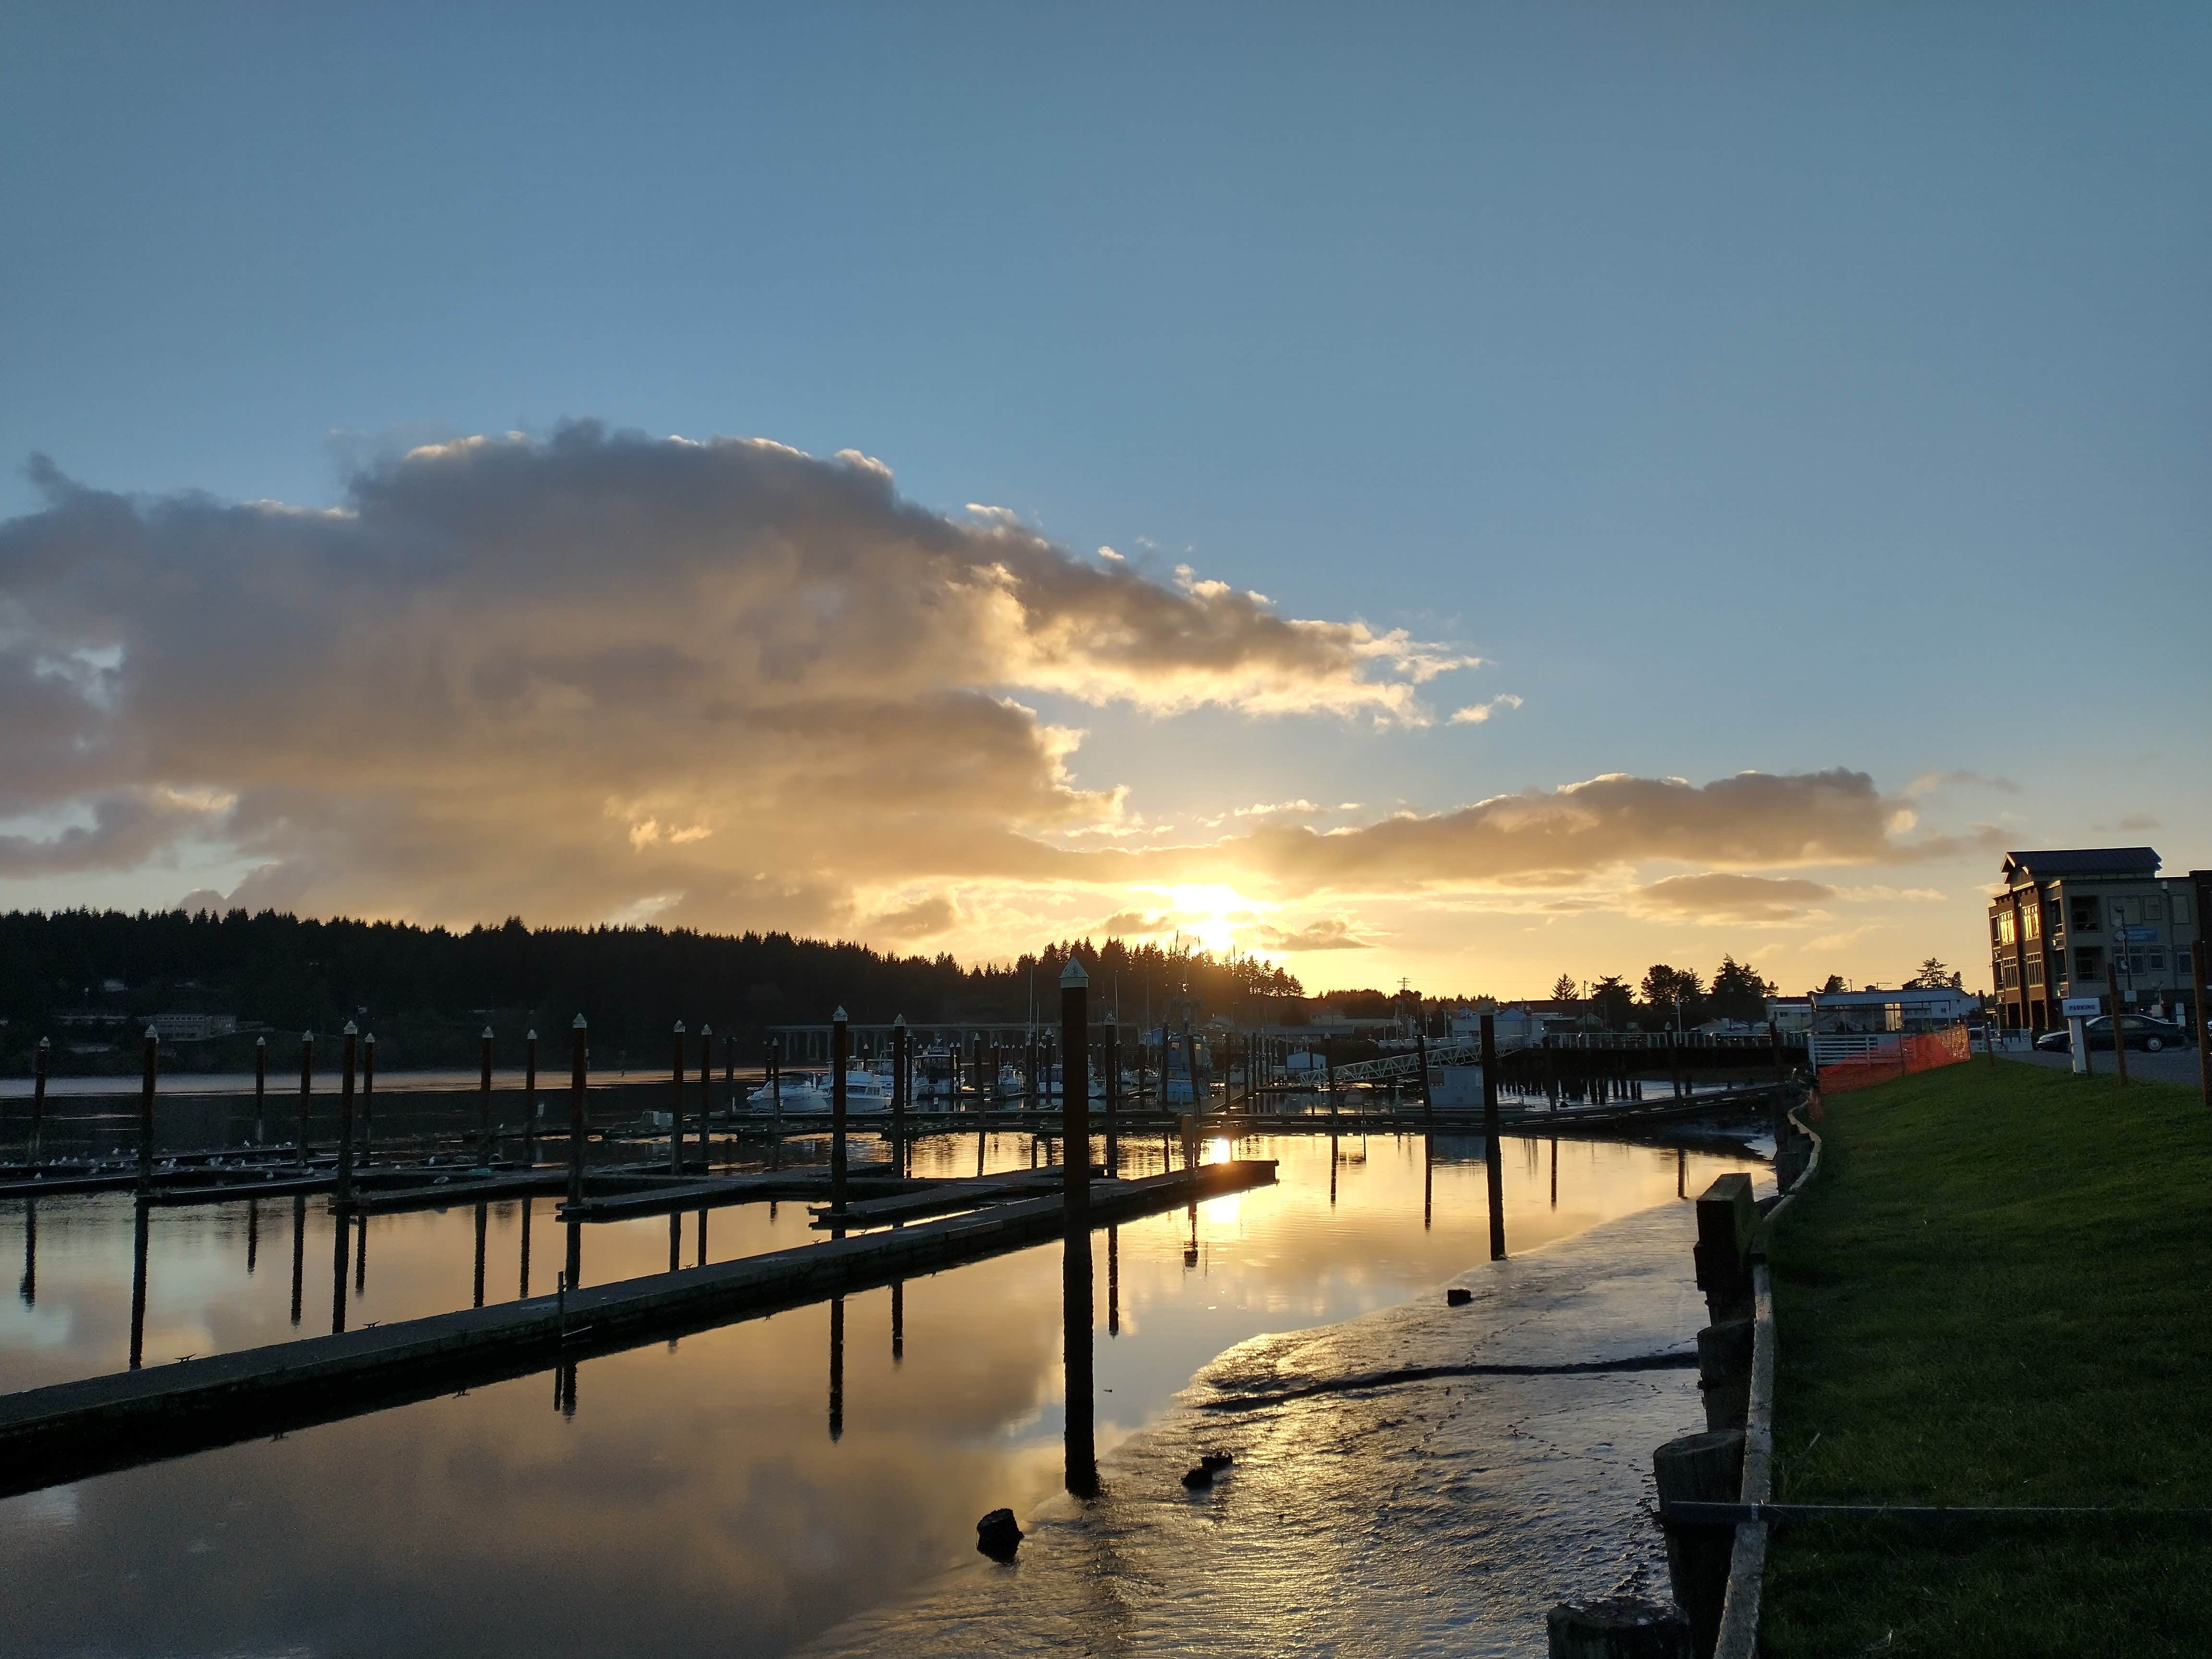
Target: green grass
[{"x": 1995, "y": 1293}]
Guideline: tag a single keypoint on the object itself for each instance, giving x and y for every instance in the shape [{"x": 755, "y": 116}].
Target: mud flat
[{"x": 1422, "y": 1480}]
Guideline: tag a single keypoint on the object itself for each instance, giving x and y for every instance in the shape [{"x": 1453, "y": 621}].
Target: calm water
[{"x": 744, "y": 1489}]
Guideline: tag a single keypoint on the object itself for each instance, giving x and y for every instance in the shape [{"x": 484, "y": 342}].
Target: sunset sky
[{"x": 1471, "y": 493}]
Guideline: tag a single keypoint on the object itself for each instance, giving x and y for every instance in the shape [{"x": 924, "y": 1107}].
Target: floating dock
[{"x": 71, "y": 1431}]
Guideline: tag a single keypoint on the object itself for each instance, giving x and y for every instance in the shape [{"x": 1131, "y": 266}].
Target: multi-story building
[{"x": 2066, "y": 917}]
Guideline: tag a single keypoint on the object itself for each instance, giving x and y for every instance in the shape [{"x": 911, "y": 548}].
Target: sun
[{"x": 1210, "y": 912}]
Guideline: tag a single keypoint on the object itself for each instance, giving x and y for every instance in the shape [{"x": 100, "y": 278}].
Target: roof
[{"x": 2083, "y": 861}]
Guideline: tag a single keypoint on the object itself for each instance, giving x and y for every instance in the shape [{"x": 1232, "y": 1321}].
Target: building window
[
  {"x": 2088, "y": 961},
  {"x": 2003, "y": 923},
  {"x": 2083, "y": 919},
  {"x": 2035, "y": 970}
]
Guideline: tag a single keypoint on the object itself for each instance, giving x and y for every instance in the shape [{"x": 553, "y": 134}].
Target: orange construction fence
[{"x": 1921, "y": 1051}]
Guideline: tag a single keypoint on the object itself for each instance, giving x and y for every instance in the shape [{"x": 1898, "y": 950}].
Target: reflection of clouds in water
[{"x": 34, "y": 1328}]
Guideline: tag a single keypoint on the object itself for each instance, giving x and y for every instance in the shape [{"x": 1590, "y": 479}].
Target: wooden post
[
  {"x": 1725, "y": 1219},
  {"x": 2201, "y": 964},
  {"x": 306, "y": 1088},
  {"x": 576, "y": 1080},
  {"x": 343, "y": 1192},
  {"x": 840, "y": 1037},
  {"x": 675, "y": 1108},
  {"x": 260, "y": 1091},
  {"x": 1494, "y": 1173},
  {"x": 484, "y": 1099},
  {"x": 1111, "y": 1055},
  {"x": 39, "y": 1102},
  {"x": 901, "y": 1055},
  {"x": 706, "y": 1096},
  {"x": 529, "y": 1101},
  {"x": 146, "y": 1083},
  {"x": 367, "y": 1106},
  {"x": 1699, "y": 1468},
  {"x": 1421, "y": 1060},
  {"x": 1081, "y": 1448},
  {"x": 1617, "y": 1627},
  {"x": 1075, "y": 1098},
  {"x": 2119, "y": 1030}
]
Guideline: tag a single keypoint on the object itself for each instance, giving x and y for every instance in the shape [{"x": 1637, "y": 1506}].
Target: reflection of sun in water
[{"x": 1203, "y": 909}]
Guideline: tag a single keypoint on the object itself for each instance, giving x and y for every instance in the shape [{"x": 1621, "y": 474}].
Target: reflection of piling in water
[
  {"x": 138, "y": 1289},
  {"x": 1113, "y": 1282},
  {"x": 483, "y": 1214},
  {"x": 1081, "y": 1436},
  {"x": 341, "y": 1237},
  {"x": 523, "y": 1292},
  {"x": 298, "y": 1253},
  {"x": 28, "y": 1289},
  {"x": 836, "y": 1368},
  {"x": 576, "y": 1267},
  {"x": 252, "y": 1234},
  {"x": 702, "y": 1238},
  {"x": 1555, "y": 1172},
  {"x": 898, "y": 1320},
  {"x": 1428, "y": 1180},
  {"x": 360, "y": 1255},
  {"x": 675, "y": 1240}
]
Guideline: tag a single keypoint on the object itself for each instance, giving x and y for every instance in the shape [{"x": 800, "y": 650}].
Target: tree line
[{"x": 433, "y": 989}]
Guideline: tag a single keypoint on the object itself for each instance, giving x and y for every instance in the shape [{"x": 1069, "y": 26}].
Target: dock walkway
[{"x": 70, "y": 1430}]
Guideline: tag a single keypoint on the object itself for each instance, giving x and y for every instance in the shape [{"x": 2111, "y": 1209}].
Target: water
[{"x": 747, "y": 1489}]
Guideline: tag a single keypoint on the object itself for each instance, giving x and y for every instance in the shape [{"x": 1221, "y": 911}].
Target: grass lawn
[{"x": 1996, "y": 1291}]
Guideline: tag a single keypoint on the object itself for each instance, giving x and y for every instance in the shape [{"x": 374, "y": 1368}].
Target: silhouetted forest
[{"x": 427, "y": 991}]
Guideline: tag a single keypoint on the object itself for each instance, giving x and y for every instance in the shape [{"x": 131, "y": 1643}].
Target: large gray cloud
[{"x": 577, "y": 675}]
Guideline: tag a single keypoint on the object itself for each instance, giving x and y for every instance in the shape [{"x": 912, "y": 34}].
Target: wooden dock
[{"x": 71, "y": 1431}]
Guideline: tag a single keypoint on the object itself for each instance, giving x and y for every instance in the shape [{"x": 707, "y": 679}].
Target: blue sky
[{"x": 1779, "y": 389}]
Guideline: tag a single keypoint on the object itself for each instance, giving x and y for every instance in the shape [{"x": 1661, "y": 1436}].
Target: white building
[{"x": 1906, "y": 1009}]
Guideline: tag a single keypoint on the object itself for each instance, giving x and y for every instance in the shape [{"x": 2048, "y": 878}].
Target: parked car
[{"x": 2142, "y": 1032}]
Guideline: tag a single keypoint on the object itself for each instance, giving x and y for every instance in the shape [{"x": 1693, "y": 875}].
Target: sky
[{"x": 1469, "y": 493}]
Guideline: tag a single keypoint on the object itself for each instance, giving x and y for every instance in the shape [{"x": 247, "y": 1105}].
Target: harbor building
[{"x": 2065, "y": 916}]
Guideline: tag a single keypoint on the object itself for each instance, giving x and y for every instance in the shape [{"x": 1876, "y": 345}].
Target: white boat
[{"x": 801, "y": 1094}]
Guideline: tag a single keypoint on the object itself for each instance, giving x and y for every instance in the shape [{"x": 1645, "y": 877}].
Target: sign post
[{"x": 2078, "y": 1011}]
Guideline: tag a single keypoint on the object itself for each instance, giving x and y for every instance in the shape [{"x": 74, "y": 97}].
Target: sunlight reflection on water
[{"x": 698, "y": 1497}]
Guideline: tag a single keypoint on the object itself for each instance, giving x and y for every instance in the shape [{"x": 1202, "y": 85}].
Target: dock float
[{"x": 71, "y": 1431}]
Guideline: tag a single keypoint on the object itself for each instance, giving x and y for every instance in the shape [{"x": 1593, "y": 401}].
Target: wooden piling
[
  {"x": 1699, "y": 1468},
  {"x": 1075, "y": 1095},
  {"x": 146, "y": 1087},
  {"x": 342, "y": 1189},
  {"x": 1617, "y": 1627},
  {"x": 529, "y": 1101},
  {"x": 1110, "y": 1053},
  {"x": 260, "y": 1091},
  {"x": 840, "y": 1039},
  {"x": 306, "y": 1088},
  {"x": 706, "y": 1096},
  {"x": 1726, "y": 1217},
  {"x": 35, "y": 1149},
  {"x": 1421, "y": 1060},
  {"x": 675, "y": 1108},
  {"x": 368, "y": 1099},
  {"x": 902, "y": 1063},
  {"x": 576, "y": 1084},
  {"x": 836, "y": 1368},
  {"x": 1494, "y": 1173},
  {"x": 484, "y": 1099},
  {"x": 299, "y": 1252}
]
